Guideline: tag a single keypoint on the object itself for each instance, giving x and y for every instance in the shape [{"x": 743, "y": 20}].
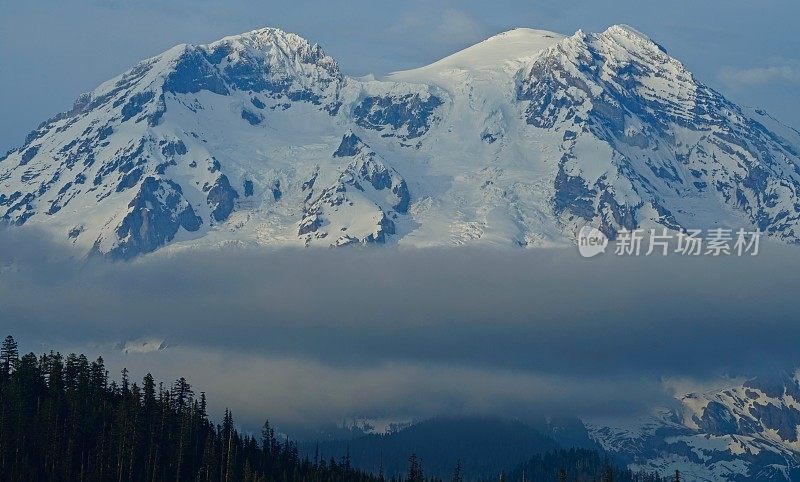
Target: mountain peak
[
  {"x": 265, "y": 36},
  {"x": 517, "y": 34},
  {"x": 499, "y": 49},
  {"x": 625, "y": 34},
  {"x": 262, "y": 32},
  {"x": 229, "y": 140},
  {"x": 626, "y": 30},
  {"x": 275, "y": 46},
  {"x": 351, "y": 145},
  {"x": 502, "y": 52}
]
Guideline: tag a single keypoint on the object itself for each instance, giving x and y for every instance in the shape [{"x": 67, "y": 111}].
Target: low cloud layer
[
  {"x": 307, "y": 337},
  {"x": 787, "y": 73}
]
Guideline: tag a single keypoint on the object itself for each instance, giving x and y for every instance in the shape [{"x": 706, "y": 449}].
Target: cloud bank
[
  {"x": 308, "y": 337},
  {"x": 757, "y": 76}
]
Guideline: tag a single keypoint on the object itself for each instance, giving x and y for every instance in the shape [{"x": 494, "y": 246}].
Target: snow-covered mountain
[
  {"x": 747, "y": 431},
  {"x": 260, "y": 139}
]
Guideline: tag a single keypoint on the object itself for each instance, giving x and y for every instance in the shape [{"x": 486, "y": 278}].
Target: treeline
[
  {"x": 486, "y": 446},
  {"x": 579, "y": 465},
  {"x": 62, "y": 419}
]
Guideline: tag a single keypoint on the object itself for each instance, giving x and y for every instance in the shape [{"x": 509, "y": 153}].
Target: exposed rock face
[
  {"x": 153, "y": 219},
  {"x": 406, "y": 116},
  {"x": 361, "y": 205},
  {"x": 350, "y": 146},
  {"x": 221, "y": 198}
]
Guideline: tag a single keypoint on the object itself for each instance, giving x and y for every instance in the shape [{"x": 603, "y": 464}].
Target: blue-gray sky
[{"x": 52, "y": 50}]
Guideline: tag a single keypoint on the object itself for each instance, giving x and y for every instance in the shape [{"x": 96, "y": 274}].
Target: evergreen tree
[
  {"x": 577, "y": 465},
  {"x": 9, "y": 355},
  {"x": 61, "y": 419},
  {"x": 457, "y": 473},
  {"x": 415, "y": 473}
]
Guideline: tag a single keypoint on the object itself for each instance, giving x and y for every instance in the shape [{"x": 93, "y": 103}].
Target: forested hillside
[{"x": 63, "y": 419}]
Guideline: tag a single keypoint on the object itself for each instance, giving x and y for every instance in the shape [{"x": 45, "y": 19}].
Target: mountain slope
[
  {"x": 674, "y": 147},
  {"x": 515, "y": 141},
  {"x": 484, "y": 446},
  {"x": 745, "y": 431}
]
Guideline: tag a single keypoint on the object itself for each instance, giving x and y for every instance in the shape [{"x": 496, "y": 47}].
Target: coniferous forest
[
  {"x": 578, "y": 465},
  {"x": 63, "y": 419}
]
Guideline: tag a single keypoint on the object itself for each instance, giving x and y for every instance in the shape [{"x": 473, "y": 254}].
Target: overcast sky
[{"x": 52, "y": 50}]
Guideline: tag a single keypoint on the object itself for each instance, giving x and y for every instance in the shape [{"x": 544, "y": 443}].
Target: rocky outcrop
[
  {"x": 221, "y": 198},
  {"x": 155, "y": 215},
  {"x": 361, "y": 205}
]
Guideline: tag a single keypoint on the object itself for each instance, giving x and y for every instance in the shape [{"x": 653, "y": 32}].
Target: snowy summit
[{"x": 259, "y": 139}]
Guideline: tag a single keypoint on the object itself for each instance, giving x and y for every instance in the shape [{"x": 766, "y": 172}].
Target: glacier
[{"x": 259, "y": 139}]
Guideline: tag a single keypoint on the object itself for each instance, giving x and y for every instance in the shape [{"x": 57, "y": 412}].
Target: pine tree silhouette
[
  {"x": 415, "y": 473},
  {"x": 457, "y": 473}
]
